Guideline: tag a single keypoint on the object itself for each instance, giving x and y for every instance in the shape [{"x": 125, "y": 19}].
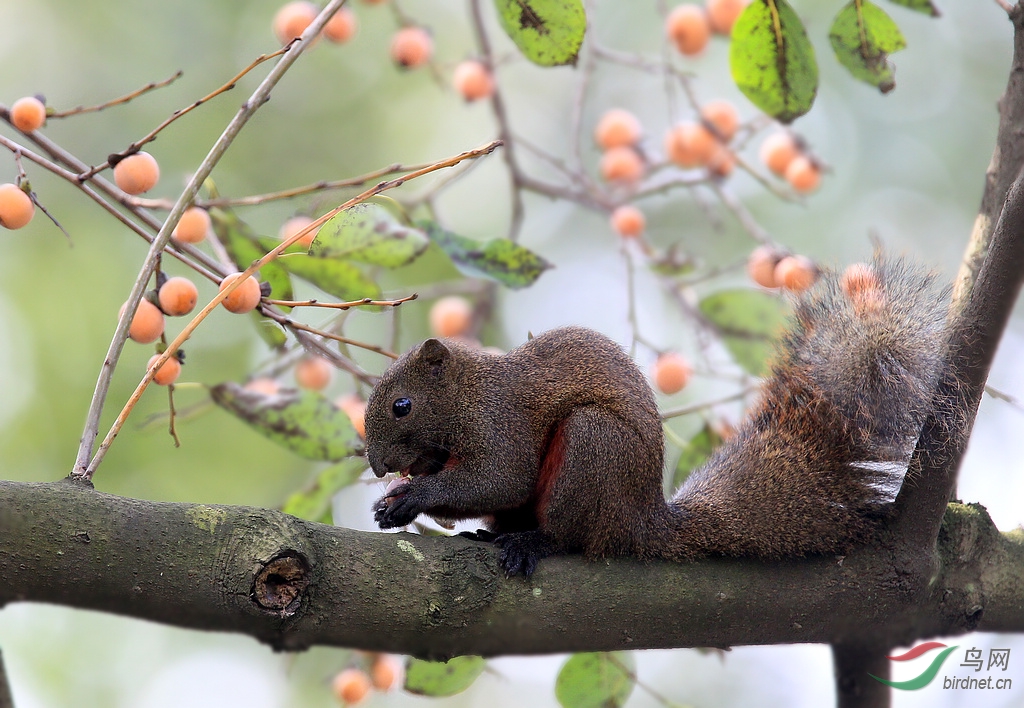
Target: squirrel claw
[
  {"x": 520, "y": 552},
  {"x": 394, "y": 512},
  {"x": 481, "y": 535}
]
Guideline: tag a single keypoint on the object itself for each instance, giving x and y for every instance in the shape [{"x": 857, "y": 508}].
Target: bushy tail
[{"x": 838, "y": 419}]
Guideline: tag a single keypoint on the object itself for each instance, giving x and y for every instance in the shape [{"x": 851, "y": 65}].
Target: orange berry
[
  {"x": 355, "y": 408},
  {"x": 193, "y": 226},
  {"x": 351, "y": 686},
  {"x": 137, "y": 173},
  {"x": 722, "y": 14},
  {"x": 178, "y": 296},
  {"x": 796, "y": 273},
  {"x": 690, "y": 145},
  {"x": 803, "y": 175},
  {"x": 628, "y": 221},
  {"x": 16, "y": 207},
  {"x": 671, "y": 372},
  {"x": 147, "y": 323},
  {"x": 293, "y": 226},
  {"x": 722, "y": 161},
  {"x": 385, "y": 670},
  {"x": 262, "y": 384},
  {"x": 168, "y": 372},
  {"x": 244, "y": 298},
  {"x": 723, "y": 116},
  {"x": 473, "y": 80},
  {"x": 777, "y": 151},
  {"x": 622, "y": 164},
  {"x": 342, "y": 26},
  {"x": 28, "y": 114},
  {"x": 313, "y": 373},
  {"x": 688, "y": 27},
  {"x": 292, "y": 20},
  {"x": 451, "y": 316},
  {"x": 761, "y": 266},
  {"x": 617, "y": 128},
  {"x": 412, "y": 47}
]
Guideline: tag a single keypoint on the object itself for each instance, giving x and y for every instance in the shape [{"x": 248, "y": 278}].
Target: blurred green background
[{"x": 907, "y": 166}]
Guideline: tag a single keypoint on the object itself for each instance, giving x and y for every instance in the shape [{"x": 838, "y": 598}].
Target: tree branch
[
  {"x": 854, "y": 686},
  {"x": 6, "y": 700},
  {"x": 294, "y": 584}
]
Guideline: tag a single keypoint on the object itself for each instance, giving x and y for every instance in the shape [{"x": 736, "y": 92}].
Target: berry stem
[{"x": 78, "y": 110}]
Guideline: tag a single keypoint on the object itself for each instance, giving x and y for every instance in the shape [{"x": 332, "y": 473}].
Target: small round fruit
[
  {"x": 168, "y": 372},
  {"x": 721, "y": 162},
  {"x": 723, "y": 116},
  {"x": 263, "y": 384},
  {"x": 28, "y": 114},
  {"x": 412, "y": 47},
  {"x": 761, "y": 266},
  {"x": 147, "y": 323},
  {"x": 617, "y": 128},
  {"x": 313, "y": 373},
  {"x": 690, "y": 145},
  {"x": 722, "y": 14},
  {"x": 193, "y": 226},
  {"x": 351, "y": 686},
  {"x": 796, "y": 273},
  {"x": 244, "y": 298},
  {"x": 451, "y": 316},
  {"x": 293, "y": 226},
  {"x": 385, "y": 672},
  {"x": 688, "y": 27},
  {"x": 628, "y": 221},
  {"x": 178, "y": 296},
  {"x": 342, "y": 26},
  {"x": 803, "y": 175},
  {"x": 137, "y": 173},
  {"x": 292, "y": 20},
  {"x": 355, "y": 408},
  {"x": 671, "y": 373},
  {"x": 777, "y": 151},
  {"x": 16, "y": 207},
  {"x": 473, "y": 80},
  {"x": 622, "y": 164}
]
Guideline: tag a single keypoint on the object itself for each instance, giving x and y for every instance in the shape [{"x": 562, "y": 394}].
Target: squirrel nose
[{"x": 378, "y": 465}]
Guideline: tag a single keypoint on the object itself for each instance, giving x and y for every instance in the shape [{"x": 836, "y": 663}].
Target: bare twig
[
  {"x": 117, "y": 101},
  {"x": 293, "y": 325},
  {"x": 697, "y": 407},
  {"x": 365, "y": 302}
]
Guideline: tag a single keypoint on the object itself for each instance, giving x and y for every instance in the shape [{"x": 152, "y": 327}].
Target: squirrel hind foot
[{"x": 521, "y": 551}]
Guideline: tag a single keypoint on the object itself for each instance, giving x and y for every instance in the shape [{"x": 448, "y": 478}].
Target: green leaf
[
  {"x": 314, "y": 502},
  {"x": 924, "y": 6},
  {"x": 862, "y": 37},
  {"x": 500, "y": 259},
  {"x": 269, "y": 330},
  {"x": 748, "y": 322},
  {"x": 338, "y": 278},
  {"x": 547, "y": 32},
  {"x": 243, "y": 247},
  {"x": 598, "y": 680},
  {"x": 442, "y": 678},
  {"x": 772, "y": 60},
  {"x": 696, "y": 453},
  {"x": 303, "y": 421},
  {"x": 368, "y": 233}
]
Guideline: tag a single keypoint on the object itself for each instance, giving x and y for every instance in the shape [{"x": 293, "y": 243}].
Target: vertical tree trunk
[{"x": 854, "y": 686}]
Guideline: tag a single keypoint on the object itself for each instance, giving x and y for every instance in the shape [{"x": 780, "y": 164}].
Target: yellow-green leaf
[
  {"x": 748, "y": 322},
  {"x": 314, "y": 502},
  {"x": 243, "y": 247},
  {"x": 368, "y": 233},
  {"x": 500, "y": 259},
  {"x": 863, "y": 37},
  {"x": 547, "y": 32},
  {"x": 596, "y": 680},
  {"x": 924, "y": 6},
  {"x": 772, "y": 60},
  {"x": 442, "y": 678}
]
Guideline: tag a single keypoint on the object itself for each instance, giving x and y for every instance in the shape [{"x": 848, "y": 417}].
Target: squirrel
[{"x": 558, "y": 444}]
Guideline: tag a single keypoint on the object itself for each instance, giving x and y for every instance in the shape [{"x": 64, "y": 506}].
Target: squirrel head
[{"x": 413, "y": 411}]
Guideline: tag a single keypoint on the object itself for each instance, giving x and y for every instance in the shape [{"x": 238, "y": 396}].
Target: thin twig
[
  {"x": 117, "y": 101},
  {"x": 260, "y": 96},
  {"x": 256, "y": 265},
  {"x": 697, "y": 407},
  {"x": 171, "y": 415},
  {"x": 365, "y": 302},
  {"x": 292, "y": 324}
]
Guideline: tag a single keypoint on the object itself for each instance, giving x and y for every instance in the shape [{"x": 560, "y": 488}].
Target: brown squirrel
[{"x": 558, "y": 443}]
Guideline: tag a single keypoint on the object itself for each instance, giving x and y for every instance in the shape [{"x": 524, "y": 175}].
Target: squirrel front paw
[
  {"x": 398, "y": 507},
  {"x": 521, "y": 551}
]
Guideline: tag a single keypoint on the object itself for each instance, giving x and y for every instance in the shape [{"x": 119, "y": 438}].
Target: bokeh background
[{"x": 907, "y": 167}]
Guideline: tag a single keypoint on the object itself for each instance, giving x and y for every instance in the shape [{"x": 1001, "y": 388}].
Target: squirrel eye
[{"x": 401, "y": 407}]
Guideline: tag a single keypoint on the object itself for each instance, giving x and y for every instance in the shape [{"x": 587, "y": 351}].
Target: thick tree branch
[{"x": 294, "y": 584}]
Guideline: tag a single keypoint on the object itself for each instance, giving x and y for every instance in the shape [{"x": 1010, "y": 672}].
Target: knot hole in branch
[{"x": 280, "y": 583}]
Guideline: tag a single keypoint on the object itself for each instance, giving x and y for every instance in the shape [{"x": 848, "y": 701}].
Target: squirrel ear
[{"x": 434, "y": 354}]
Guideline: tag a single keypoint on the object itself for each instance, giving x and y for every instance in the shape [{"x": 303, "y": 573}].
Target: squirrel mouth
[{"x": 427, "y": 464}]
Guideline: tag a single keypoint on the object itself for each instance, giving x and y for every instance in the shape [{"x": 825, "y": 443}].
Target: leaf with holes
[
  {"x": 500, "y": 259},
  {"x": 596, "y": 680},
  {"x": 772, "y": 61},
  {"x": 748, "y": 322},
  {"x": 442, "y": 678},
  {"x": 303, "y": 421},
  {"x": 863, "y": 37},
  {"x": 547, "y": 32},
  {"x": 369, "y": 233}
]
